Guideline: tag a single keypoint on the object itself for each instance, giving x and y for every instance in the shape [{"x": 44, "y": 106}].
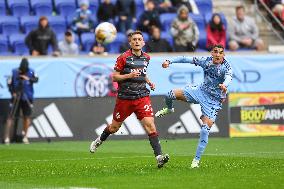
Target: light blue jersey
[{"x": 208, "y": 94}]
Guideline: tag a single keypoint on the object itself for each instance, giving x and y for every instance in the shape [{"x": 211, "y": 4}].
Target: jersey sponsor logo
[
  {"x": 94, "y": 80},
  {"x": 144, "y": 70},
  {"x": 130, "y": 126},
  {"x": 190, "y": 122},
  {"x": 49, "y": 124}
]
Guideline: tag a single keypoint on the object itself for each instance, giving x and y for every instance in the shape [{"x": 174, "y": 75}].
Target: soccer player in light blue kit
[{"x": 210, "y": 94}]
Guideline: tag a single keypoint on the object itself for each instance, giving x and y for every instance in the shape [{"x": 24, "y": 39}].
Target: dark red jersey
[{"x": 133, "y": 88}]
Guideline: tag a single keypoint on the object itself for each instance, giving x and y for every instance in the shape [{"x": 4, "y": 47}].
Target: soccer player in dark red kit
[{"x": 133, "y": 96}]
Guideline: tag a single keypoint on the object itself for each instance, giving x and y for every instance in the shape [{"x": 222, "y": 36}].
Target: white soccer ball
[{"x": 105, "y": 33}]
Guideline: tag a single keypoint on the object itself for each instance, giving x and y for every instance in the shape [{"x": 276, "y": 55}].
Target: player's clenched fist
[
  {"x": 166, "y": 64},
  {"x": 223, "y": 88}
]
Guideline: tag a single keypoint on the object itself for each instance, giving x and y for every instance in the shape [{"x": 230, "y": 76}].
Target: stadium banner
[
  {"x": 85, "y": 118},
  {"x": 91, "y": 76},
  {"x": 256, "y": 114}
]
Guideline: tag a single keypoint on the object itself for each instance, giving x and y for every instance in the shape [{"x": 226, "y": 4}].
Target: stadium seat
[
  {"x": 87, "y": 40},
  {"x": 28, "y": 23},
  {"x": 65, "y": 7},
  {"x": 4, "y": 46},
  {"x": 9, "y": 25},
  {"x": 168, "y": 37},
  {"x": 204, "y": 6},
  {"x": 166, "y": 20},
  {"x": 146, "y": 36},
  {"x": 200, "y": 22},
  {"x": 42, "y": 7},
  {"x": 114, "y": 46},
  {"x": 57, "y": 23},
  {"x": 19, "y": 8},
  {"x": 2, "y": 8},
  {"x": 17, "y": 42},
  {"x": 93, "y": 6},
  {"x": 139, "y": 8}
]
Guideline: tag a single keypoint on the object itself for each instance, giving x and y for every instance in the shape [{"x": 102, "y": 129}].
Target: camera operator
[{"x": 21, "y": 87}]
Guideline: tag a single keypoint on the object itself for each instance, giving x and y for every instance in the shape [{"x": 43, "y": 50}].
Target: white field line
[{"x": 137, "y": 157}]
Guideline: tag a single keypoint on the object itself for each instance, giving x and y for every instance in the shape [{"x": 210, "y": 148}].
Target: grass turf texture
[{"x": 227, "y": 163}]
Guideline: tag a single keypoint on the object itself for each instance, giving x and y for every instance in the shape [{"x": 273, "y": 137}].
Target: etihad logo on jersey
[
  {"x": 130, "y": 126},
  {"x": 190, "y": 122},
  {"x": 263, "y": 114},
  {"x": 50, "y": 124}
]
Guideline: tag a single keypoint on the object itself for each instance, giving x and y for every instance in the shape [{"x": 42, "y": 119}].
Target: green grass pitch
[{"x": 227, "y": 163}]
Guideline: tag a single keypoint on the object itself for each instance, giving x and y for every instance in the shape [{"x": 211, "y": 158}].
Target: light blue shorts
[{"x": 209, "y": 105}]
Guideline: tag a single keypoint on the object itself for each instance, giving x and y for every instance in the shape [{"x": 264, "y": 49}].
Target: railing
[{"x": 278, "y": 33}]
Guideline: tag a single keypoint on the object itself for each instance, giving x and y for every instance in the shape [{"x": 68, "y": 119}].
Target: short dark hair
[
  {"x": 240, "y": 7},
  {"x": 217, "y": 46},
  {"x": 135, "y": 32}
]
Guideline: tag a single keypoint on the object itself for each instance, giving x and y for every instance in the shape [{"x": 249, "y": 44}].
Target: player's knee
[
  {"x": 150, "y": 128},
  {"x": 207, "y": 121}
]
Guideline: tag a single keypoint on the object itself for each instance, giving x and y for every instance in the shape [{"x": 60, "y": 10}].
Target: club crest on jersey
[{"x": 145, "y": 63}]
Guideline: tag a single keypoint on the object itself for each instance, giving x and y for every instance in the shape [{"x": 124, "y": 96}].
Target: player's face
[
  {"x": 137, "y": 42},
  {"x": 218, "y": 55}
]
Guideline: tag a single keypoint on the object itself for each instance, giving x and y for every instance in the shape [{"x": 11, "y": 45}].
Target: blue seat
[
  {"x": 42, "y": 7},
  {"x": 57, "y": 23},
  {"x": 204, "y": 6},
  {"x": 28, "y": 23},
  {"x": 114, "y": 46},
  {"x": 87, "y": 41},
  {"x": 166, "y": 20},
  {"x": 139, "y": 8},
  {"x": 65, "y": 7},
  {"x": 9, "y": 25},
  {"x": 200, "y": 22},
  {"x": 17, "y": 42},
  {"x": 19, "y": 8},
  {"x": 146, "y": 36},
  {"x": 4, "y": 45},
  {"x": 168, "y": 37},
  {"x": 2, "y": 8}
]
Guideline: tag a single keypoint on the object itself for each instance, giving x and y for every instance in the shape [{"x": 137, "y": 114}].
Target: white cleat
[
  {"x": 95, "y": 144},
  {"x": 162, "y": 160},
  {"x": 7, "y": 141},
  {"x": 194, "y": 164},
  {"x": 26, "y": 140},
  {"x": 164, "y": 112}
]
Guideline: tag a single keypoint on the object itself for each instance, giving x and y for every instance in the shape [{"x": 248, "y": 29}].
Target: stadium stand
[
  {"x": 17, "y": 43},
  {"x": 87, "y": 40},
  {"x": 42, "y": 7},
  {"x": 9, "y": 25},
  {"x": 28, "y": 23},
  {"x": 2, "y": 8},
  {"x": 65, "y": 7},
  {"x": 114, "y": 46},
  {"x": 57, "y": 23},
  {"x": 19, "y": 8},
  {"x": 4, "y": 45}
]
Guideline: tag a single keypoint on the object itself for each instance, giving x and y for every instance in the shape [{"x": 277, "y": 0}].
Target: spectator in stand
[
  {"x": 150, "y": 17},
  {"x": 177, "y": 3},
  {"x": 98, "y": 48},
  {"x": 67, "y": 46},
  {"x": 216, "y": 32},
  {"x": 125, "y": 46},
  {"x": 184, "y": 32},
  {"x": 126, "y": 12},
  {"x": 106, "y": 11},
  {"x": 164, "y": 6},
  {"x": 82, "y": 21},
  {"x": 244, "y": 32},
  {"x": 156, "y": 43},
  {"x": 39, "y": 39},
  {"x": 277, "y": 7}
]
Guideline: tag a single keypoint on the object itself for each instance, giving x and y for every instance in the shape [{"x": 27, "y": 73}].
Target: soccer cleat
[
  {"x": 7, "y": 141},
  {"x": 164, "y": 112},
  {"x": 162, "y": 160},
  {"x": 194, "y": 163},
  {"x": 25, "y": 140},
  {"x": 95, "y": 144}
]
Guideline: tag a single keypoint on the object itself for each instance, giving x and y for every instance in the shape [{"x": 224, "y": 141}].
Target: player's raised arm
[
  {"x": 198, "y": 61},
  {"x": 227, "y": 78}
]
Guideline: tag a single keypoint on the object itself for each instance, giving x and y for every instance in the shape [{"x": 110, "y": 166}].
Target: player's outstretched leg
[
  {"x": 110, "y": 129},
  {"x": 203, "y": 141},
  {"x": 169, "y": 102}
]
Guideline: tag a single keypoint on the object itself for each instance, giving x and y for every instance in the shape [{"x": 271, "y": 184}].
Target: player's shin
[
  {"x": 105, "y": 134},
  {"x": 155, "y": 143},
  {"x": 203, "y": 141},
  {"x": 169, "y": 99}
]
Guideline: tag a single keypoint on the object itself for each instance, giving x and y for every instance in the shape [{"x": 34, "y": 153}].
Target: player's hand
[
  {"x": 166, "y": 64},
  {"x": 223, "y": 88},
  {"x": 152, "y": 85},
  {"x": 24, "y": 77},
  {"x": 134, "y": 74}
]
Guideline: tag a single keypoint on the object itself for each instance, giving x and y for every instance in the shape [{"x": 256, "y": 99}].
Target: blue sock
[
  {"x": 169, "y": 99},
  {"x": 203, "y": 141}
]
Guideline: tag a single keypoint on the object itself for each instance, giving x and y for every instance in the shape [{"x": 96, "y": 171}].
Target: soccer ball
[{"x": 105, "y": 33}]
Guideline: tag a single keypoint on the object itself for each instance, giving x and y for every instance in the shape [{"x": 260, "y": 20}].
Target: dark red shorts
[{"x": 141, "y": 107}]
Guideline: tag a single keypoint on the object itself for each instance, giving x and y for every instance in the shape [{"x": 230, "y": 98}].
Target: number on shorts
[{"x": 148, "y": 108}]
